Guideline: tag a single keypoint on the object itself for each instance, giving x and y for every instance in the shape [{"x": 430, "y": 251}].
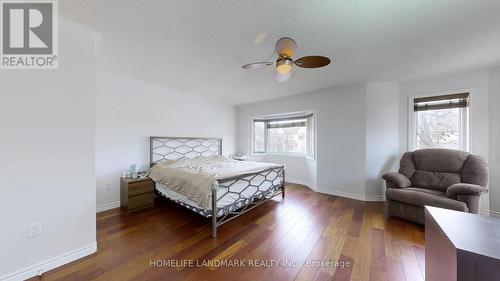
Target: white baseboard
[
  {"x": 302, "y": 183},
  {"x": 50, "y": 264},
  {"x": 108, "y": 206},
  {"x": 379, "y": 198},
  {"x": 354, "y": 196}
]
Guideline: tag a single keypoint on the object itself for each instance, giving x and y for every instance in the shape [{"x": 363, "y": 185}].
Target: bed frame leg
[
  {"x": 283, "y": 186},
  {"x": 214, "y": 213}
]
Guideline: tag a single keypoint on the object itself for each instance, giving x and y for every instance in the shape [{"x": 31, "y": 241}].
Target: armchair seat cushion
[{"x": 421, "y": 197}]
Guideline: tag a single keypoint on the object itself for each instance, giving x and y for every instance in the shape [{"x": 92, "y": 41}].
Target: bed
[{"x": 193, "y": 173}]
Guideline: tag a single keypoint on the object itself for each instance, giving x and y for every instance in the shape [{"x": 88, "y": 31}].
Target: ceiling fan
[{"x": 285, "y": 49}]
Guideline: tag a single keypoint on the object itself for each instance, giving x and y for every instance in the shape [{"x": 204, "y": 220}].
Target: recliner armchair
[{"x": 444, "y": 178}]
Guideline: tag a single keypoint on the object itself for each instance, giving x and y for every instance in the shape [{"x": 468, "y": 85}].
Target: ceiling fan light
[
  {"x": 283, "y": 77},
  {"x": 284, "y": 65}
]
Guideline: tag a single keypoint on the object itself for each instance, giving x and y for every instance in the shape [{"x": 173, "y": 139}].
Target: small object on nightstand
[
  {"x": 239, "y": 156},
  {"x": 133, "y": 170},
  {"x": 142, "y": 174},
  {"x": 136, "y": 194}
]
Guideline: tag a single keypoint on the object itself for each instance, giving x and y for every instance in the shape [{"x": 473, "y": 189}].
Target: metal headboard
[{"x": 176, "y": 148}]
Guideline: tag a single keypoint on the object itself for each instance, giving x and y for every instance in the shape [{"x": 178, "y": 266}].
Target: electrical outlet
[{"x": 34, "y": 229}]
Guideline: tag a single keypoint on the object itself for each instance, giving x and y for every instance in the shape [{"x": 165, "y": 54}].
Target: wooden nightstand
[{"x": 136, "y": 194}]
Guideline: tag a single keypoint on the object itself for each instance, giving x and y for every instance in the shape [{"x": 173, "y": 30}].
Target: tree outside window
[{"x": 441, "y": 121}]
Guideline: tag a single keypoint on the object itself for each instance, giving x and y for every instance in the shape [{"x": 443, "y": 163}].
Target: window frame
[
  {"x": 466, "y": 139},
  {"x": 310, "y": 152}
]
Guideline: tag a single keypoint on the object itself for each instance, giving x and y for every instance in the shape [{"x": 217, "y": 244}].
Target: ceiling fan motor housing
[{"x": 285, "y": 47}]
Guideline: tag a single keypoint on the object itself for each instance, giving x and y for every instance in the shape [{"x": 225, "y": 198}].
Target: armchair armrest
[
  {"x": 400, "y": 180},
  {"x": 465, "y": 189}
]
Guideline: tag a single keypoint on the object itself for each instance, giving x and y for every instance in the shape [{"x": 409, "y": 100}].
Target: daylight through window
[
  {"x": 441, "y": 121},
  {"x": 285, "y": 135}
]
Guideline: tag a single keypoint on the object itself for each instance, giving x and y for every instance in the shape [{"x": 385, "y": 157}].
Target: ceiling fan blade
[
  {"x": 312, "y": 61},
  {"x": 256, "y": 65},
  {"x": 283, "y": 77}
]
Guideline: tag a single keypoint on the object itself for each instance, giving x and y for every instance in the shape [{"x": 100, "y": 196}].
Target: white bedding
[
  {"x": 194, "y": 178},
  {"x": 223, "y": 202}
]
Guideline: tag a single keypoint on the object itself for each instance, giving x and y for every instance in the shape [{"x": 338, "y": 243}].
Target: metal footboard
[
  {"x": 251, "y": 189},
  {"x": 245, "y": 192}
]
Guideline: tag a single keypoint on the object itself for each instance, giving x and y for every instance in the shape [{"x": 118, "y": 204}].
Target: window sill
[{"x": 285, "y": 155}]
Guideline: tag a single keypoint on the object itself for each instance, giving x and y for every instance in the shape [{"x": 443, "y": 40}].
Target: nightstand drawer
[
  {"x": 141, "y": 201},
  {"x": 141, "y": 187},
  {"x": 136, "y": 194}
]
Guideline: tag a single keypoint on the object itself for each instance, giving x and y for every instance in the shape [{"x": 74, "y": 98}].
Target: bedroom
[{"x": 130, "y": 70}]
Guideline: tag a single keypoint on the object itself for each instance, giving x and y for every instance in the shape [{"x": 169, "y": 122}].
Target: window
[
  {"x": 292, "y": 135},
  {"x": 441, "y": 121},
  {"x": 259, "y": 136}
]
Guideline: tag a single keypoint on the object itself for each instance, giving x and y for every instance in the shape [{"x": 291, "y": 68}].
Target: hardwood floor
[{"x": 305, "y": 227}]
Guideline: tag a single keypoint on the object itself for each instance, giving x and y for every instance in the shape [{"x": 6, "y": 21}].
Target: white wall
[
  {"x": 339, "y": 167},
  {"x": 478, "y": 83},
  {"x": 128, "y": 112},
  {"x": 363, "y": 130},
  {"x": 382, "y": 135},
  {"x": 298, "y": 169},
  {"x": 47, "y": 152},
  {"x": 495, "y": 140}
]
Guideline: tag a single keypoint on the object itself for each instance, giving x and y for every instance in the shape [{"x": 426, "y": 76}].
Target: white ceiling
[{"x": 198, "y": 46}]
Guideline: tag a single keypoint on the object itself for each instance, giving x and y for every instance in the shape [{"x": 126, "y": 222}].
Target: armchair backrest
[{"x": 439, "y": 168}]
